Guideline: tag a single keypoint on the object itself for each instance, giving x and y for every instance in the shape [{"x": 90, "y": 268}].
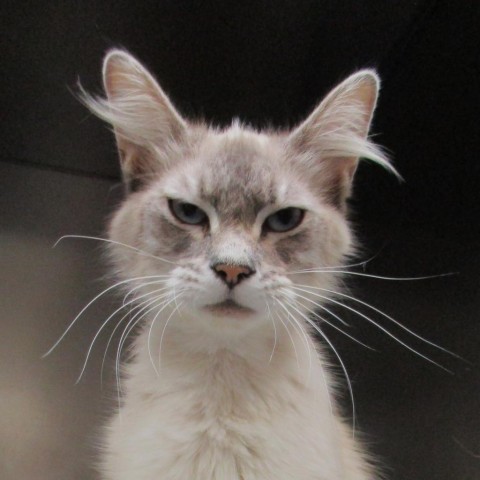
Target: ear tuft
[
  {"x": 335, "y": 135},
  {"x": 145, "y": 122}
]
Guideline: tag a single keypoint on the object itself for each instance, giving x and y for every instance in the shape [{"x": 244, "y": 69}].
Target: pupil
[
  {"x": 285, "y": 217},
  {"x": 189, "y": 210}
]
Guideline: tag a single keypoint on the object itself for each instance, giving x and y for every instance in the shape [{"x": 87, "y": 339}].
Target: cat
[{"x": 227, "y": 241}]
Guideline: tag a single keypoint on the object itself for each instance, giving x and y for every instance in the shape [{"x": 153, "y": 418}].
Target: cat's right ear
[{"x": 146, "y": 124}]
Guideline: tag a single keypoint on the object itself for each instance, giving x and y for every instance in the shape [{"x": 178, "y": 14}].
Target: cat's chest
[{"x": 221, "y": 422}]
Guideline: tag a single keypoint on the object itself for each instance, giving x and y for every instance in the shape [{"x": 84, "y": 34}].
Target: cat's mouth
[{"x": 229, "y": 307}]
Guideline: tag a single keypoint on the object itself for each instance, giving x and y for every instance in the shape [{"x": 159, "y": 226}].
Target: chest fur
[{"x": 221, "y": 419}]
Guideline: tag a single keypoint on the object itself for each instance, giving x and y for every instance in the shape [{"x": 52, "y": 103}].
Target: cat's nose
[{"x": 232, "y": 275}]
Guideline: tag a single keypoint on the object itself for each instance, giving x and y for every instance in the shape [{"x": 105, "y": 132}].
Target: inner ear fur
[
  {"x": 329, "y": 143},
  {"x": 146, "y": 124}
]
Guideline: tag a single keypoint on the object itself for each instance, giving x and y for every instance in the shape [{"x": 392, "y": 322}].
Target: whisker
[
  {"x": 333, "y": 314},
  {"x": 110, "y": 338},
  {"x": 175, "y": 297},
  {"x": 132, "y": 323},
  {"x": 326, "y": 268},
  {"x": 99, "y": 331},
  {"x": 383, "y": 329},
  {"x": 323, "y": 307},
  {"x": 177, "y": 307},
  {"x": 101, "y": 294},
  {"x": 388, "y": 317},
  {"x": 347, "y": 377},
  {"x": 274, "y": 332},
  {"x": 302, "y": 330},
  {"x": 146, "y": 284},
  {"x": 172, "y": 299},
  {"x": 379, "y": 277},
  {"x": 291, "y": 339},
  {"x": 117, "y": 362},
  {"x": 107, "y": 240},
  {"x": 328, "y": 322},
  {"x": 140, "y": 307}
]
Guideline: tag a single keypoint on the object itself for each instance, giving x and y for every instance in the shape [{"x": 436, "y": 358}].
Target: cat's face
[
  {"x": 228, "y": 219},
  {"x": 236, "y": 221}
]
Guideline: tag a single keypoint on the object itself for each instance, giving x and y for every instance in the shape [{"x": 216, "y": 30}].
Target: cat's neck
[
  {"x": 264, "y": 346},
  {"x": 262, "y": 366}
]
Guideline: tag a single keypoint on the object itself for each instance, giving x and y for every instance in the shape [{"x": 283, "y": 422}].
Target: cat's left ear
[
  {"x": 330, "y": 141},
  {"x": 146, "y": 124}
]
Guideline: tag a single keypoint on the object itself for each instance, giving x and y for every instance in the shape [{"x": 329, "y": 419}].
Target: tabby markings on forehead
[
  {"x": 237, "y": 177},
  {"x": 236, "y": 206},
  {"x": 238, "y": 198}
]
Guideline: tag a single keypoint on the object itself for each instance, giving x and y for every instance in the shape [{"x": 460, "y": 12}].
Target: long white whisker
[
  {"x": 349, "y": 383},
  {"x": 171, "y": 299},
  {"x": 274, "y": 331},
  {"x": 146, "y": 284},
  {"x": 88, "y": 237},
  {"x": 305, "y": 337},
  {"x": 391, "y": 335},
  {"x": 174, "y": 299},
  {"x": 290, "y": 336},
  {"x": 326, "y": 268},
  {"x": 297, "y": 325},
  {"x": 177, "y": 307},
  {"x": 136, "y": 307},
  {"x": 126, "y": 331},
  {"x": 388, "y": 317},
  {"x": 327, "y": 321},
  {"x": 143, "y": 295},
  {"x": 140, "y": 307},
  {"x": 101, "y": 294},
  {"x": 99, "y": 331},
  {"x": 323, "y": 307},
  {"x": 379, "y": 277},
  {"x": 333, "y": 314},
  {"x": 134, "y": 321}
]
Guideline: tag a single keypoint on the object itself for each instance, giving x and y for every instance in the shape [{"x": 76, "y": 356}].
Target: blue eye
[
  {"x": 284, "y": 220},
  {"x": 187, "y": 212}
]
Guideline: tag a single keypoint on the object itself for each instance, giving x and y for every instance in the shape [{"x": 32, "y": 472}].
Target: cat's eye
[
  {"x": 284, "y": 220},
  {"x": 187, "y": 212}
]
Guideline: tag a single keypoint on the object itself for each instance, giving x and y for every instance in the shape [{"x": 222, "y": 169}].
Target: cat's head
[{"x": 229, "y": 218}]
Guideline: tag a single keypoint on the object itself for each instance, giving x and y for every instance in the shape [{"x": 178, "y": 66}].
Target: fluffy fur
[{"x": 227, "y": 383}]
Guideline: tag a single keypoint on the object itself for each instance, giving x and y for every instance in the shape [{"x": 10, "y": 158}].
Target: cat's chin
[{"x": 229, "y": 308}]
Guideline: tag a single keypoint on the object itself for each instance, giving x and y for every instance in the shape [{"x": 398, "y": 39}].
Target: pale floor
[{"x": 425, "y": 423}]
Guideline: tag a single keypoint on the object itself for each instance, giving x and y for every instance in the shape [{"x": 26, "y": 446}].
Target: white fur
[{"x": 229, "y": 413}]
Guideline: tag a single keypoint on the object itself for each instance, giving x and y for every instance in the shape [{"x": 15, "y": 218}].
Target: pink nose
[{"x": 232, "y": 274}]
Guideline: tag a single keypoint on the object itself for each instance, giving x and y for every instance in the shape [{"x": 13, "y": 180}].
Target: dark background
[{"x": 268, "y": 63}]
